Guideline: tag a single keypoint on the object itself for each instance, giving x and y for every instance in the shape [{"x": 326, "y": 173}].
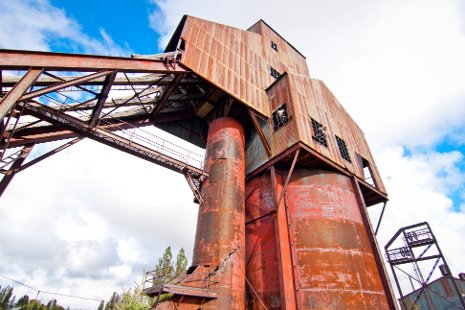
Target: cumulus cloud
[
  {"x": 36, "y": 24},
  {"x": 94, "y": 218}
]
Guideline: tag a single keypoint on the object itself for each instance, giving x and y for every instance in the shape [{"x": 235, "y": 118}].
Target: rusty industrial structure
[
  {"x": 416, "y": 246},
  {"x": 287, "y": 177}
]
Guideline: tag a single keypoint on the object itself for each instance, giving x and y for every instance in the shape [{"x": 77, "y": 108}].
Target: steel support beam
[
  {"x": 380, "y": 218},
  {"x": 62, "y": 85},
  {"x": 14, "y": 167},
  {"x": 255, "y": 293},
  {"x": 23, "y": 60},
  {"x": 48, "y": 154},
  {"x": 166, "y": 94},
  {"x": 102, "y": 98},
  {"x": 374, "y": 244},
  {"x": 284, "y": 244},
  {"x": 110, "y": 139},
  {"x": 56, "y": 132},
  {"x": 195, "y": 190},
  {"x": 277, "y": 203},
  {"x": 288, "y": 178},
  {"x": 255, "y": 123},
  {"x": 9, "y": 101}
]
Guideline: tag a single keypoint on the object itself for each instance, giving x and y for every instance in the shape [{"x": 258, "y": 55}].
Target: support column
[{"x": 220, "y": 235}]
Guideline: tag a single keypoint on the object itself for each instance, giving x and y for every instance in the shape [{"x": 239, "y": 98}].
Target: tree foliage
[
  {"x": 6, "y": 294},
  {"x": 165, "y": 271},
  {"x": 23, "y": 301},
  {"x": 181, "y": 262}
]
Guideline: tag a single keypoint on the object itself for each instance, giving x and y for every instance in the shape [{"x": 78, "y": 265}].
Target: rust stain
[
  {"x": 220, "y": 235},
  {"x": 337, "y": 269}
]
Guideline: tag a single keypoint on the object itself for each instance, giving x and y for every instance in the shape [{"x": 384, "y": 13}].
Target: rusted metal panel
[
  {"x": 312, "y": 99},
  {"x": 285, "y": 57},
  {"x": 280, "y": 139},
  {"x": 16, "y": 60},
  {"x": 239, "y": 61},
  {"x": 220, "y": 234},
  {"x": 335, "y": 260}
]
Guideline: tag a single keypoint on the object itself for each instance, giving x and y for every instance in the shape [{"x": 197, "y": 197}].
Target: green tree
[
  {"x": 5, "y": 297},
  {"x": 134, "y": 298},
  {"x": 111, "y": 304},
  {"x": 23, "y": 301},
  {"x": 101, "y": 306},
  {"x": 181, "y": 262},
  {"x": 51, "y": 304},
  {"x": 164, "y": 270}
]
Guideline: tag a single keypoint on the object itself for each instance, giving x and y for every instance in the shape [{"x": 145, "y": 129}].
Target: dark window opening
[
  {"x": 274, "y": 73},
  {"x": 274, "y": 46},
  {"x": 367, "y": 174},
  {"x": 280, "y": 117},
  {"x": 182, "y": 45},
  {"x": 343, "y": 149},
  {"x": 319, "y": 133}
]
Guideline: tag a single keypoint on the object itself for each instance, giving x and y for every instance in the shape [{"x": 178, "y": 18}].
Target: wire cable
[{"x": 50, "y": 293}]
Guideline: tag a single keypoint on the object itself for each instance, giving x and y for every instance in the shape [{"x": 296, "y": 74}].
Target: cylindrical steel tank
[
  {"x": 332, "y": 258},
  {"x": 336, "y": 265},
  {"x": 220, "y": 235}
]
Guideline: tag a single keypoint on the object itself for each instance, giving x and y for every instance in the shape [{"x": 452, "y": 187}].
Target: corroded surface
[
  {"x": 325, "y": 241},
  {"x": 336, "y": 267},
  {"x": 220, "y": 235},
  {"x": 268, "y": 263}
]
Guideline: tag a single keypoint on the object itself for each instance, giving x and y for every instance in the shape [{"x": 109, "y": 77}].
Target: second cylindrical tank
[{"x": 333, "y": 260}]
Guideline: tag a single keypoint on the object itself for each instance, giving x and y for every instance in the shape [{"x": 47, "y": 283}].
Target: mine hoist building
[{"x": 287, "y": 175}]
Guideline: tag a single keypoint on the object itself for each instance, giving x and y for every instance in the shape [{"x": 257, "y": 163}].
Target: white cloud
[
  {"x": 396, "y": 66},
  {"x": 35, "y": 24},
  {"x": 92, "y": 216}
]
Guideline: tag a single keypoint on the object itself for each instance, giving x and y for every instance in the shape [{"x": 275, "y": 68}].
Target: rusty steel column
[
  {"x": 334, "y": 258},
  {"x": 220, "y": 235}
]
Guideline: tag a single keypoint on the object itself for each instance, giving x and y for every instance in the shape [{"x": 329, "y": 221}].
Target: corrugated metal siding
[
  {"x": 239, "y": 62},
  {"x": 441, "y": 293},
  {"x": 312, "y": 99},
  {"x": 280, "y": 139},
  {"x": 228, "y": 57}
]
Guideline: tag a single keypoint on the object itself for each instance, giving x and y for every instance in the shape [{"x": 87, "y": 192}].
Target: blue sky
[
  {"x": 126, "y": 22},
  {"x": 399, "y": 75}
]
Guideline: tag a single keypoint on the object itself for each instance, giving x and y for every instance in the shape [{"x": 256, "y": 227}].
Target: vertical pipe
[{"x": 220, "y": 235}]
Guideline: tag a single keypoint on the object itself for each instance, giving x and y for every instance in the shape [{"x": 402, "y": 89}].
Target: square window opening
[
  {"x": 319, "y": 133},
  {"x": 280, "y": 117},
  {"x": 367, "y": 173},
  {"x": 343, "y": 149},
  {"x": 274, "y": 46},
  {"x": 274, "y": 73}
]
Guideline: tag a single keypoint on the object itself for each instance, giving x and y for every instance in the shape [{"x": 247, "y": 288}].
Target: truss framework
[
  {"x": 416, "y": 245},
  {"x": 47, "y": 97}
]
